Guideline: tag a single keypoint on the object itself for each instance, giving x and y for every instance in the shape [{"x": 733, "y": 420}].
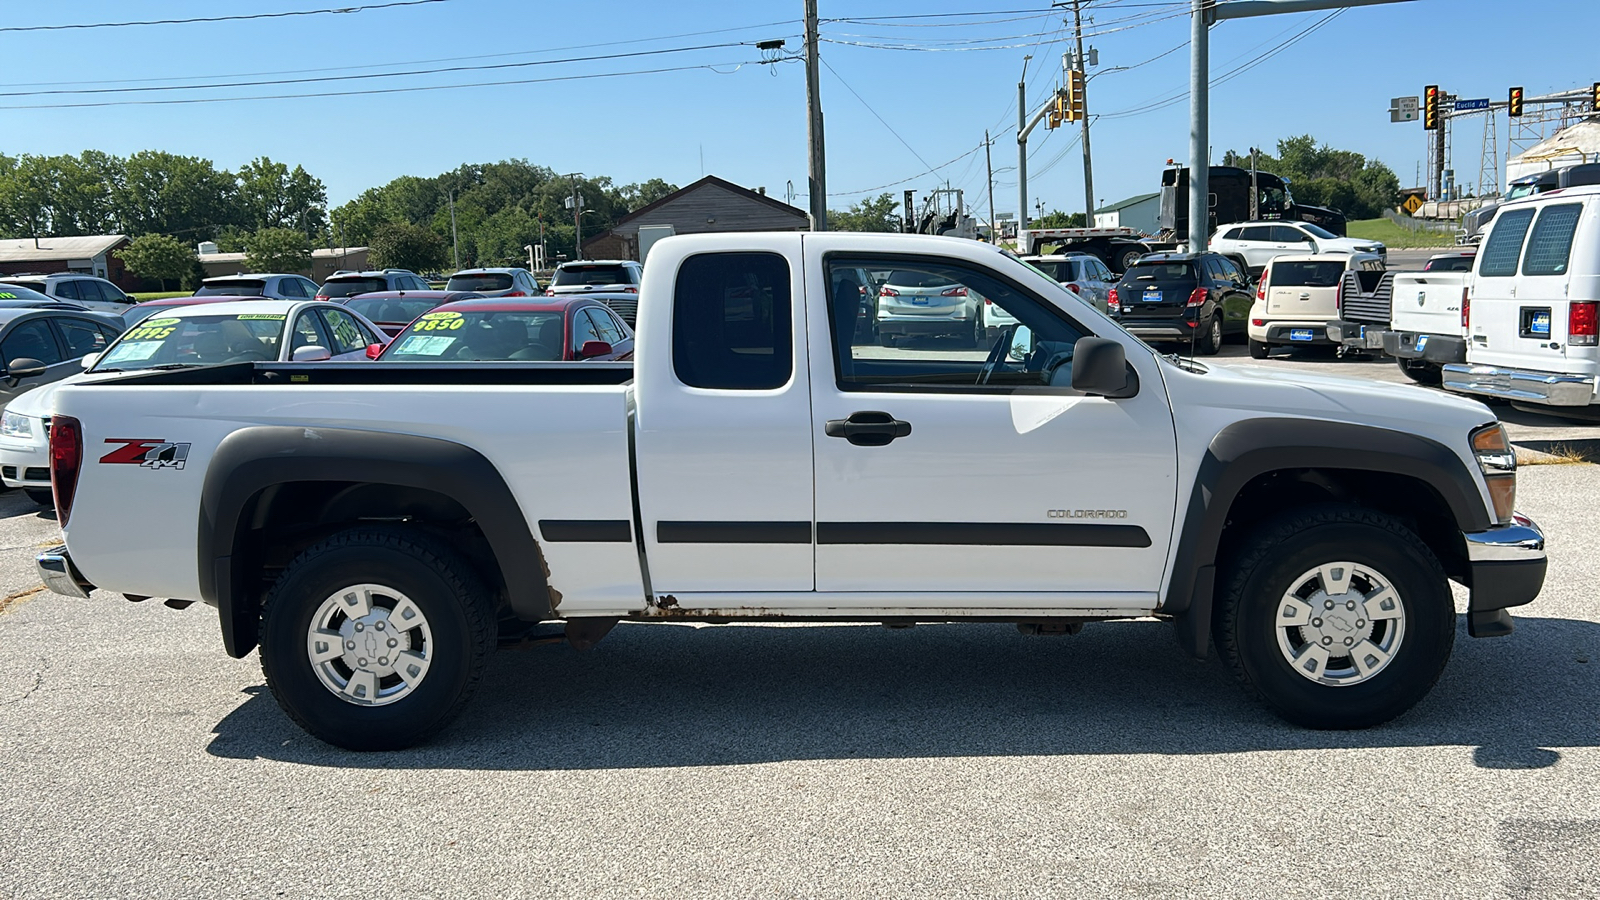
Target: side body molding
[
  {"x": 252, "y": 459},
  {"x": 1244, "y": 450}
]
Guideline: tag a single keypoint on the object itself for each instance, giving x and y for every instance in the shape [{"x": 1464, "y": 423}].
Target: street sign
[
  {"x": 1404, "y": 109},
  {"x": 1411, "y": 204},
  {"x": 1468, "y": 105}
]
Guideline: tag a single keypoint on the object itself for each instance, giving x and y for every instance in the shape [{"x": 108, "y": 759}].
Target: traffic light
[
  {"x": 1430, "y": 107},
  {"x": 1595, "y": 106},
  {"x": 1514, "y": 105},
  {"x": 1074, "y": 110},
  {"x": 1058, "y": 110}
]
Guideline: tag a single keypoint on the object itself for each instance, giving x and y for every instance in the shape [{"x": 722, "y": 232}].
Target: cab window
[{"x": 732, "y": 326}]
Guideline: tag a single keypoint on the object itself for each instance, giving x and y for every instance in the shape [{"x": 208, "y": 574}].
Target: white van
[{"x": 1531, "y": 308}]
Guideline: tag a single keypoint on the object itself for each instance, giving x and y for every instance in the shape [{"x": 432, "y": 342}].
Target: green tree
[
  {"x": 158, "y": 257},
  {"x": 1320, "y": 175},
  {"x": 1058, "y": 219},
  {"x": 638, "y": 196},
  {"x": 402, "y": 245},
  {"x": 272, "y": 195},
  {"x": 278, "y": 250},
  {"x": 183, "y": 196},
  {"x": 880, "y": 213}
]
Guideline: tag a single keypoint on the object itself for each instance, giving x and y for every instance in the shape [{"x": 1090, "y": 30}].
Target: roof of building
[
  {"x": 52, "y": 248},
  {"x": 712, "y": 180},
  {"x": 1581, "y": 137},
  {"x": 1131, "y": 201},
  {"x": 319, "y": 253}
]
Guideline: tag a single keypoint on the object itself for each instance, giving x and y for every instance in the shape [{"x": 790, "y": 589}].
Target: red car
[
  {"x": 536, "y": 329},
  {"x": 394, "y": 310}
]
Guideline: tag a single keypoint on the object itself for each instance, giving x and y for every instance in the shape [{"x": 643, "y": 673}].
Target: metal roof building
[{"x": 92, "y": 254}]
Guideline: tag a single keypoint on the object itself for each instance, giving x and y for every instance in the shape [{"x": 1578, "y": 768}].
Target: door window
[
  {"x": 347, "y": 336},
  {"x": 307, "y": 332},
  {"x": 1283, "y": 234},
  {"x": 583, "y": 330},
  {"x": 731, "y": 325},
  {"x": 31, "y": 340},
  {"x": 604, "y": 326},
  {"x": 1550, "y": 245},
  {"x": 1257, "y": 233},
  {"x": 67, "y": 290},
  {"x": 95, "y": 292},
  {"x": 945, "y": 326},
  {"x": 81, "y": 337},
  {"x": 289, "y": 287},
  {"x": 1500, "y": 251}
]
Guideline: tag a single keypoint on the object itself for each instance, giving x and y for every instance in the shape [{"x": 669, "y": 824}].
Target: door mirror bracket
[{"x": 1100, "y": 368}]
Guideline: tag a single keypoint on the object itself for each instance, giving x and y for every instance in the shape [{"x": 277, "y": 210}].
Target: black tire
[
  {"x": 1211, "y": 343},
  {"x": 1268, "y": 563},
  {"x": 887, "y": 340},
  {"x": 443, "y": 586},
  {"x": 1421, "y": 372},
  {"x": 1125, "y": 258},
  {"x": 41, "y": 496},
  {"x": 1259, "y": 349}
]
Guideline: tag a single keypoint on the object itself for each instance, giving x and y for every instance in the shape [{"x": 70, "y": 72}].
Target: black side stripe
[
  {"x": 733, "y": 532},
  {"x": 586, "y": 530},
  {"x": 987, "y": 534}
]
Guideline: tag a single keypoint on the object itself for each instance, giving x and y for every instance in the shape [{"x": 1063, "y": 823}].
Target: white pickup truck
[
  {"x": 374, "y": 528},
  {"x": 1428, "y": 325}
]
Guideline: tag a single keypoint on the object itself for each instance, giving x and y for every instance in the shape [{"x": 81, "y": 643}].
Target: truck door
[
  {"x": 954, "y": 477},
  {"x": 723, "y": 450}
]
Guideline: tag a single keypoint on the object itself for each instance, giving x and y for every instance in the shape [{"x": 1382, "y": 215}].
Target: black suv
[{"x": 1189, "y": 297}]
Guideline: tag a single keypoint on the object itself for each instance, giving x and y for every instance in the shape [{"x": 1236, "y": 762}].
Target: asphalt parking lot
[{"x": 759, "y": 761}]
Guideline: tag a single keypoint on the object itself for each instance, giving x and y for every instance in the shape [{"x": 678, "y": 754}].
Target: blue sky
[{"x": 746, "y": 121}]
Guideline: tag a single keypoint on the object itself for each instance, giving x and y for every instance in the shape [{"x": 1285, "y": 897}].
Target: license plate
[
  {"x": 1300, "y": 334},
  {"x": 1422, "y": 343},
  {"x": 919, "y": 301},
  {"x": 1151, "y": 295},
  {"x": 1540, "y": 325}
]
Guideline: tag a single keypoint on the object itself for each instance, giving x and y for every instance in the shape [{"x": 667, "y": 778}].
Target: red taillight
[
  {"x": 1074, "y": 288},
  {"x": 953, "y": 292},
  {"x": 1466, "y": 307},
  {"x": 514, "y": 294},
  {"x": 549, "y": 292},
  {"x": 1582, "y": 323},
  {"x": 1258, "y": 322},
  {"x": 1197, "y": 297},
  {"x": 888, "y": 292},
  {"x": 1113, "y": 302},
  {"x": 323, "y": 297},
  {"x": 66, "y": 460},
  {"x": 1261, "y": 286},
  {"x": 634, "y": 290}
]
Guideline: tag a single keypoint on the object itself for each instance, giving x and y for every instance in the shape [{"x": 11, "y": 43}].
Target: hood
[{"x": 41, "y": 401}]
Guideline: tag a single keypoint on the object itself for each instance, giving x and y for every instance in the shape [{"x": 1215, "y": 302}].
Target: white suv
[
  {"x": 584, "y": 275},
  {"x": 273, "y": 286},
  {"x": 85, "y": 290},
  {"x": 1260, "y": 242}
]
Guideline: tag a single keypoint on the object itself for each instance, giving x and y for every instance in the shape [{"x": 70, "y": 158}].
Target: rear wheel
[
  {"x": 1259, "y": 349},
  {"x": 1211, "y": 341},
  {"x": 41, "y": 496},
  {"x": 375, "y": 638},
  {"x": 1421, "y": 372},
  {"x": 1336, "y": 617},
  {"x": 1125, "y": 257}
]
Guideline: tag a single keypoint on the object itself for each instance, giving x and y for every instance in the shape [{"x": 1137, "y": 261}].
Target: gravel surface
[{"x": 791, "y": 761}]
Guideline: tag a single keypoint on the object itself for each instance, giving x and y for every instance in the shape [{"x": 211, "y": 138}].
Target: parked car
[
  {"x": 348, "y": 284},
  {"x": 537, "y": 329},
  {"x": 1261, "y": 242},
  {"x": 916, "y": 303},
  {"x": 85, "y": 290},
  {"x": 1454, "y": 261},
  {"x": 1197, "y": 298},
  {"x": 1081, "y": 273},
  {"x": 272, "y": 285},
  {"x": 583, "y": 275},
  {"x": 1532, "y": 311},
  {"x": 1427, "y": 328},
  {"x": 15, "y": 297},
  {"x": 505, "y": 282},
  {"x": 1298, "y": 299},
  {"x": 392, "y": 311},
  {"x": 148, "y": 308},
  {"x": 41, "y": 345}
]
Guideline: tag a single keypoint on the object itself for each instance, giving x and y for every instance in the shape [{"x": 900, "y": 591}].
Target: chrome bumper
[
  {"x": 60, "y": 575},
  {"x": 1549, "y": 388},
  {"x": 1508, "y": 567}
]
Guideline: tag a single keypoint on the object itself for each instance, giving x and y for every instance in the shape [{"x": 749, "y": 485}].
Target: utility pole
[
  {"x": 988, "y": 165},
  {"x": 1088, "y": 165},
  {"x": 576, "y": 202},
  {"x": 455, "y": 242},
  {"x": 816, "y": 157},
  {"x": 1022, "y": 153}
]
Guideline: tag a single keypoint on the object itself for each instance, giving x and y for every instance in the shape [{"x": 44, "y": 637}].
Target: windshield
[
  {"x": 233, "y": 287},
  {"x": 447, "y": 336},
  {"x": 1307, "y": 274},
  {"x": 1522, "y": 190},
  {"x": 480, "y": 282},
  {"x": 391, "y": 310},
  {"x": 349, "y": 287},
  {"x": 567, "y": 276},
  {"x": 195, "y": 340},
  {"x": 1319, "y": 231},
  {"x": 1449, "y": 264},
  {"x": 10, "y": 291}
]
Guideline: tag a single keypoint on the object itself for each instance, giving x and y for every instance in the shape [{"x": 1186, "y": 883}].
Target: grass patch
[
  {"x": 1393, "y": 235},
  {"x": 159, "y": 295},
  {"x": 1556, "y": 455}
]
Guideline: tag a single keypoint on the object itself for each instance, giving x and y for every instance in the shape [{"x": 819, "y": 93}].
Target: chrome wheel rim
[
  {"x": 1216, "y": 332},
  {"x": 1340, "y": 624},
  {"x": 369, "y": 644}
]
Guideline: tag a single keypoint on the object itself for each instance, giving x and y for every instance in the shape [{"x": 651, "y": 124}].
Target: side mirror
[
  {"x": 375, "y": 350},
  {"x": 1100, "y": 368},
  {"x": 1021, "y": 339},
  {"x": 311, "y": 353},
  {"x": 592, "y": 349},
  {"x": 89, "y": 360},
  {"x": 24, "y": 367}
]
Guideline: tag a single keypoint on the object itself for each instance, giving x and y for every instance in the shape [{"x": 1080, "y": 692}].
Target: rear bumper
[
  {"x": 24, "y": 465},
  {"x": 918, "y": 326},
  {"x": 1434, "y": 348},
  {"x": 1508, "y": 567},
  {"x": 1280, "y": 332},
  {"x": 60, "y": 575},
  {"x": 1356, "y": 334},
  {"x": 1160, "y": 328},
  {"x": 1548, "y": 388}
]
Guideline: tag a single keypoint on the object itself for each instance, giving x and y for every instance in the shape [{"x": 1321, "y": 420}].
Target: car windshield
[
  {"x": 10, "y": 291},
  {"x": 232, "y": 287},
  {"x": 1319, "y": 231},
  {"x": 349, "y": 287},
  {"x": 1449, "y": 264},
  {"x": 1307, "y": 274},
  {"x": 195, "y": 340},
  {"x": 479, "y": 281},
  {"x": 391, "y": 310},
  {"x": 1163, "y": 271},
  {"x": 448, "y": 336},
  {"x": 568, "y": 276}
]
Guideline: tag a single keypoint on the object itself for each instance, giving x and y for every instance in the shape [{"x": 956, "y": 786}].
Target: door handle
[{"x": 868, "y": 429}]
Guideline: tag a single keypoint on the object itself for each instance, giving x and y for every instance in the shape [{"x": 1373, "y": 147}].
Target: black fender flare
[
  {"x": 252, "y": 459},
  {"x": 1253, "y": 447}
]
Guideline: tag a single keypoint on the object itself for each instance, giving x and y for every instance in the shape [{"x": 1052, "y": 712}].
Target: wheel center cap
[
  {"x": 1338, "y": 621},
  {"x": 372, "y": 643}
]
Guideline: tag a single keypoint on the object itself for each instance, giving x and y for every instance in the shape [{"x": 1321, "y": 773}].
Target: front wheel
[
  {"x": 1336, "y": 617},
  {"x": 1259, "y": 349},
  {"x": 374, "y": 638}
]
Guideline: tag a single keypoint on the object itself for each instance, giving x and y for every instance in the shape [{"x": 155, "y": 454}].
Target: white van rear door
[{"x": 1520, "y": 306}]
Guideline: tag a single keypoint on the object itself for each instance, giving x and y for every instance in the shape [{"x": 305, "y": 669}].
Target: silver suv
[
  {"x": 273, "y": 285},
  {"x": 510, "y": 282},
  {"x": 85, "y": 290},
  {"x": 349, "y": 284}
]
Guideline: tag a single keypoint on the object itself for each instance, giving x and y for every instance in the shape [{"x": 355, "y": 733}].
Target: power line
[
  {"x": 874, "y": 112},
  {"x": 238, "y": 18},
  {"x": 891, "y": 184}
]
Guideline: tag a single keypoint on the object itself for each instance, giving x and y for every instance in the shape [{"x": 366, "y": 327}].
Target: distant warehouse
[{"x": 93, "y": 254}]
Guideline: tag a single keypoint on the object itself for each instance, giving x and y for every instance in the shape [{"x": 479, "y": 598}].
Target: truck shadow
[{"x": 671, "y": 696}]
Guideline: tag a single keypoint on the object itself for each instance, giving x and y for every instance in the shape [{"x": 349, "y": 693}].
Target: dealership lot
[{"x": 836, "y": 761}]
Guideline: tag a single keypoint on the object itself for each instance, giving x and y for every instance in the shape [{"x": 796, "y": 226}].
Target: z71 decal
[{"x": 150, "y": 453}]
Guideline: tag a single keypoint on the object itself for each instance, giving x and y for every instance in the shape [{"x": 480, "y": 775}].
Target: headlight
[
  {"x": 13, "y": 425},
  {"x": 1498, "y": 463}
]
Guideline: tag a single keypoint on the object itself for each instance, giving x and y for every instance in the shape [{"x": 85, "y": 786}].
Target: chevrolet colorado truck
[{"x": 374, "y": 529}]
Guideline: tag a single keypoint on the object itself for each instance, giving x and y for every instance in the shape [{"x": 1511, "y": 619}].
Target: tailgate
[
  {"x": 1302, "y": 302},
  {"x": 1428, "y": 304}
]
